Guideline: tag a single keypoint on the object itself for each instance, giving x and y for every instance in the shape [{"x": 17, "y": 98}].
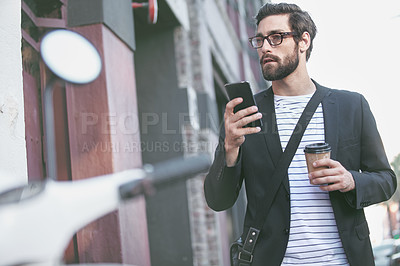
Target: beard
[{"x": 284, "y": 67}]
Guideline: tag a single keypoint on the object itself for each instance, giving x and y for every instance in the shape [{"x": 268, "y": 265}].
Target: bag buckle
[{"x": 245, "y": 256}]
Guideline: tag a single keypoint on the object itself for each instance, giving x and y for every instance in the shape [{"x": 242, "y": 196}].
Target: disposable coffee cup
[{"x": 314, "y": 152}]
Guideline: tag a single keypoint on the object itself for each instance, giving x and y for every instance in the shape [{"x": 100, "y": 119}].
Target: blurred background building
[{"x": 160, "y": 95}]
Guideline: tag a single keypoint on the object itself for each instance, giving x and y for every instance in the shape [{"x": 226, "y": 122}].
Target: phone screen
[{"x": 243, "y": 90}]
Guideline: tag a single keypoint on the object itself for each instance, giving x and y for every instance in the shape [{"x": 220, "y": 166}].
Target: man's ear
[{"x": 305, "y": 42}]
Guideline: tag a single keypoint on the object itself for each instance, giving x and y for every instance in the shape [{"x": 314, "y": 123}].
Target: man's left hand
[{"x": 334, "y": 177}]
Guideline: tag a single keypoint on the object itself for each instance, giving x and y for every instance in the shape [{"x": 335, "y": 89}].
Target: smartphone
[{"x": 243, "y": 90}]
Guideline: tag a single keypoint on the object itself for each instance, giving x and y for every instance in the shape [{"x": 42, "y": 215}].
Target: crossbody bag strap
[{"x": 246, "y": 255}]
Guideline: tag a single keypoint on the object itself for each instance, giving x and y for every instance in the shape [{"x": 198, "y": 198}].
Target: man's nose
[{"x": 266, "y": 47}]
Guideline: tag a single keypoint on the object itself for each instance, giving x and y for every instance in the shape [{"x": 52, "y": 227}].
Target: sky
[{"x": 357, "y": 48}]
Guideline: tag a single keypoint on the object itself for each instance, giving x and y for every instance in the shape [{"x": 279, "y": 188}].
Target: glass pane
[
  {"x": 257, "y": 42},
  {"x": 275, "y": 39}
]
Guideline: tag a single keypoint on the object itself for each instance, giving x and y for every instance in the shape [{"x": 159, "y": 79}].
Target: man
[{"x": 316, "y": 218}]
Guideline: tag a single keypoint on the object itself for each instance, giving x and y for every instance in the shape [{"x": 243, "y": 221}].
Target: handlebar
[{"x": 165, "y": 173}]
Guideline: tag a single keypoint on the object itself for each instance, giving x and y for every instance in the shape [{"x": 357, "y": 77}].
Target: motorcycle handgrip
[{"x": 164, "y": 173}]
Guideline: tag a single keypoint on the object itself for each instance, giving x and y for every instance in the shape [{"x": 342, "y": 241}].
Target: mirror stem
[{"x": 50, "y": 131}]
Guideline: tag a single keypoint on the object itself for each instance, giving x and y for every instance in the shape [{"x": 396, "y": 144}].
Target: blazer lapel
[
  {"x": 330, "y": 109},
  {"x": 270, "y": 129}
]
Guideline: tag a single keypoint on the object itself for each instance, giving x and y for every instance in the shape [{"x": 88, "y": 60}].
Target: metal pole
[{"x": 50, "y": 131}]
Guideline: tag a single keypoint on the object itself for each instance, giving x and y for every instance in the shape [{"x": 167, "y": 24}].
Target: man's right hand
[{"x": 234, "y": 128}]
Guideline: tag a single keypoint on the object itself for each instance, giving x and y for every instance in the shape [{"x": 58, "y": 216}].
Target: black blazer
[{"x": 351, "y": 131}]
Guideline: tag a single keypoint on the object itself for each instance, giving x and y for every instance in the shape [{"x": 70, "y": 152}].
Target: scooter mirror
[{"x": 70, "y": 56}]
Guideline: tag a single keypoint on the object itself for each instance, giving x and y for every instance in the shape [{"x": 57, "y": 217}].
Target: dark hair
[{"x": 299, "y": 20}]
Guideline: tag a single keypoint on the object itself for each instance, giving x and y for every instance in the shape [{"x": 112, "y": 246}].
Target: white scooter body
[{"x": 38, "y": 229}]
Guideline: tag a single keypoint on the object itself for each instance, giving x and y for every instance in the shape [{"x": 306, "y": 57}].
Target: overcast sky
[{"x": 358, "y": 48}]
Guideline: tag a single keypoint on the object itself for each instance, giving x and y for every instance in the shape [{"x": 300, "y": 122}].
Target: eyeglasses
[{"x": 274, "y": 39}]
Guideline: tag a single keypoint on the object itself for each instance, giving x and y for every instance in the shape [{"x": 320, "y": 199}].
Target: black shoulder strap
[{"x": 280, "y": 172}]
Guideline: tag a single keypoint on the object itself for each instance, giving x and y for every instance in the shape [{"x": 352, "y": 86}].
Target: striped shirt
[{"x": 314, "y": 238}]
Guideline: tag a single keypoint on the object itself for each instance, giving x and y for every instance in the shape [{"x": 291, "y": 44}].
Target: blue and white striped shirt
[{"x": 314, "y": 238}]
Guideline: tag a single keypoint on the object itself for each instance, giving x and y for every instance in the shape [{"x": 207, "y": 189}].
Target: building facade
[{"x": 160, "y": 95}]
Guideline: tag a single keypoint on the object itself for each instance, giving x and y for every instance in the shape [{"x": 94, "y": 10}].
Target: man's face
[{"x": 277, "y": 62}]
